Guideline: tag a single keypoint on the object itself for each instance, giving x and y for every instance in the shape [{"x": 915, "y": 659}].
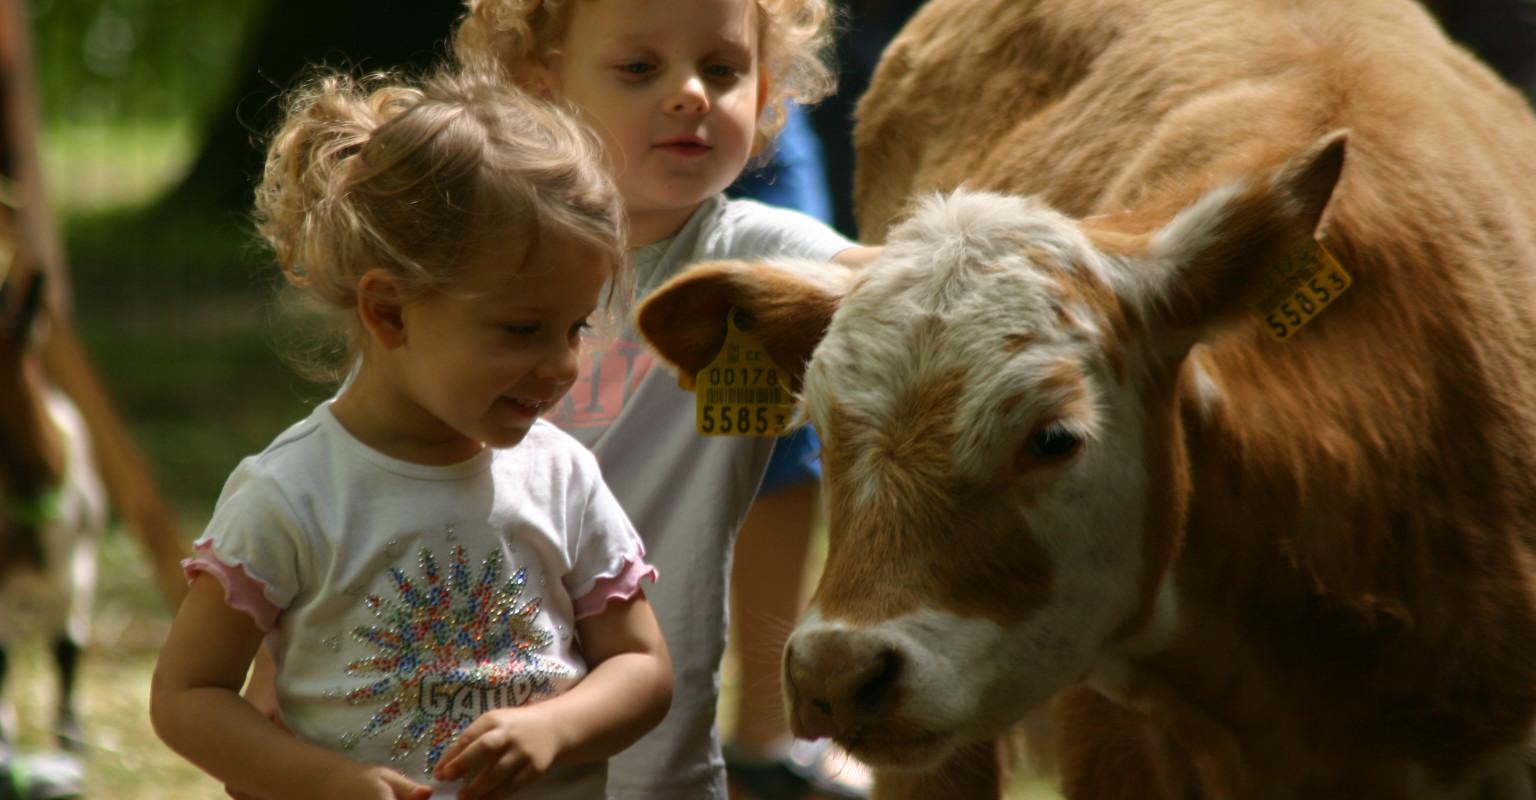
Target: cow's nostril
[{"x": 872, "y": 694}]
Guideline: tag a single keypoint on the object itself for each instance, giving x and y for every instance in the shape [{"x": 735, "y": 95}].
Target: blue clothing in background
[{"x": 796, "y": 177}]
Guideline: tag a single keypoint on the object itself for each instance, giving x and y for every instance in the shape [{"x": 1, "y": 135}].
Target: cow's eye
[{"x": 1054, "y": 442}]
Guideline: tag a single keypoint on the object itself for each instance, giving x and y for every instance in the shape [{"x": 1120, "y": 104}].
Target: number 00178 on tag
[{"x": 742, "y": 392}]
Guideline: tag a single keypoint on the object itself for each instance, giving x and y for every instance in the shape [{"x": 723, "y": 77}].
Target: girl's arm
[
  {"x": 626, "y": 692},
  {"x": 859, "y": 256},
  {"x": 196, "y": 708}
]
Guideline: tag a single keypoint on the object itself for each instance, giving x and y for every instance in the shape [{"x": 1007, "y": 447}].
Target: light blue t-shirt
[{"x": 686, "y": 494}]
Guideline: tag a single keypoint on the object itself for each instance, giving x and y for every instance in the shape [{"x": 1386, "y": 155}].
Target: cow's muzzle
[{"x": 837, "y": 682}]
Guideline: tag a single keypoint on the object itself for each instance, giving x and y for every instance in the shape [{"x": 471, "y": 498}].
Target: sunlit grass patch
[{"x": 90, "y": 167}]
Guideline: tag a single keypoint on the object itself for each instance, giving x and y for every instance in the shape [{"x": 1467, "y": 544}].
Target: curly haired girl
[
  {"x": 450, "y": 592},
  {"x": 683, "y": 94}
]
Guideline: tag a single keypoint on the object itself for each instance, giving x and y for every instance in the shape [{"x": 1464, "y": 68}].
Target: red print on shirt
[{"x": 606, "y": 380}]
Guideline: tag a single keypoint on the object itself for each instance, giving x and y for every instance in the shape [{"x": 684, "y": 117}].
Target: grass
[{"x": 125, "y": 760}]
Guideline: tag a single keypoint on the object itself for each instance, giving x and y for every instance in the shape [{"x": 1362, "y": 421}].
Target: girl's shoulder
[
  {"x": 302, "y": 442},
  {"x": 306, "y": 459},
  {"x": 741, "y": 228}
]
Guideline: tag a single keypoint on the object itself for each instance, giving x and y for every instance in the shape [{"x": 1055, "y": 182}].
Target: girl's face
[
  {"x": 674, "y": 89},
  {"x": 481, "y": 360}
]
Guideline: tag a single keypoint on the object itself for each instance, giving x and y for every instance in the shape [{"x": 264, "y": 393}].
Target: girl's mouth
[
  {"x": 687, "y": 146},
  {"x": 527, "y": 405}
]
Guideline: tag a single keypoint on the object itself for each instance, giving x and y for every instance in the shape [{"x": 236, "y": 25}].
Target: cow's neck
[{"x": 1302, "y": 590}]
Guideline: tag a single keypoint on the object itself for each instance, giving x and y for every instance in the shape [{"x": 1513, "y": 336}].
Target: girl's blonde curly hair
[
  {"x": 412, "y": 176},
  {"x": 795, "y": 38}
]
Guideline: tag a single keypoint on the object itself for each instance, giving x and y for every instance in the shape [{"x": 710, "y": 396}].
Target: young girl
[
  {"x": 450, "y": 592},
  {"x": 683, "y": 93}
]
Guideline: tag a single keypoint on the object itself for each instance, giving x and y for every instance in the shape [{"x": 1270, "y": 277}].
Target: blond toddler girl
[
  {"x": 683, "y": 94},
  {"x": 450, "y": 593}
]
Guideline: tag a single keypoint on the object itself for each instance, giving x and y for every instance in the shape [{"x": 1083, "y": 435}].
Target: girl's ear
[
  {"x": 540, "y": 78},
  {"x": 380, "y": 307}
]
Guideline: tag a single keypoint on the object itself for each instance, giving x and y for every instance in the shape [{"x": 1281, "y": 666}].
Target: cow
[
  {"x": 53, "y": 505},
  {"x": 1191, "y": 404}
]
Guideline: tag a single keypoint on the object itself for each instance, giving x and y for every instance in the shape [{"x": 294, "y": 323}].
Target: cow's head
[{"x": 1003, "y": 458}]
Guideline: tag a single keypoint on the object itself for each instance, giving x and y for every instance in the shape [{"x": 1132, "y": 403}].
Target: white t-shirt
[
  {"x": 403, "y": 600},
  {"x": 687, "y": 494}
]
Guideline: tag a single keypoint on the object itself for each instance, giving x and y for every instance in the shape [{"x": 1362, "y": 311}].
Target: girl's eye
[
  {"x": 637, "y": 69},
  {"x": 521, "y": 330},
  {"x": 721, "y": 72}
]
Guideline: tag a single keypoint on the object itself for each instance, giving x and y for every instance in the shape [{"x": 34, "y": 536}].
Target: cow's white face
[
  {"x": 987, "y": 460},
  {"x": 1004, "y": 467}
]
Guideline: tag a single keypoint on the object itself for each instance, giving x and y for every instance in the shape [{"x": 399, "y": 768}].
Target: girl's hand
[
  {"x": 505, "y": 749},
  {"x": 365, "y": 782}
]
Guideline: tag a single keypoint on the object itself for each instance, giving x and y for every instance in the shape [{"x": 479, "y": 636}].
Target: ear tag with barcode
[
  {"x": 742, "y": 392},
  {"x": 1299, "y": 288}
]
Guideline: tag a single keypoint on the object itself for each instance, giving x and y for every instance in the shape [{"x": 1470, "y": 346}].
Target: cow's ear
[
  {"x": 1196, "y": 270},
  {"x": 791, "y": 304}
]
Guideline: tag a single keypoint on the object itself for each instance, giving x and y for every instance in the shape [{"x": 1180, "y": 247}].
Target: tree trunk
[{"x": 288, "y": 38}]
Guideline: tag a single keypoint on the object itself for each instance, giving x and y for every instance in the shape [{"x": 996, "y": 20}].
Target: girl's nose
[
  {"x": 560, "y": 365},
  {"x": 689, "y": 97}
]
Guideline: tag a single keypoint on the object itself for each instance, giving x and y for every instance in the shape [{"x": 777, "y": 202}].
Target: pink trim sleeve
[
  {"x": 622, "y": 586},
  {"x": 242, "y": 590}
]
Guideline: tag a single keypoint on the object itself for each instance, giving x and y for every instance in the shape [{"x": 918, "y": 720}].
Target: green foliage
[{"x": 100, "y": 60}]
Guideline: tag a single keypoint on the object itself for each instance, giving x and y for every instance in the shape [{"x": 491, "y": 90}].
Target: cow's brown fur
[
  {"x": 1406, "y": 548},
  {"x": 1353, "y": 522}
]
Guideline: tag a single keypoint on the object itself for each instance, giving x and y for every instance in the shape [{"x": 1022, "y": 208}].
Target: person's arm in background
[{"x": 860, "y": 256}]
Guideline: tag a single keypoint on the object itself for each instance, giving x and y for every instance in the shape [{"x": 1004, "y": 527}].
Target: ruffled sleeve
[
  {"x": 608, "y": 562},
  {"x": 623, "y": 586},
  {"x": 253, "y": 546},
  {"x": 243, "y": 591}
]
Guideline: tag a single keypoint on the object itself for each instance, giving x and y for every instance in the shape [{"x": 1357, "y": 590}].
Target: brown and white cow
[{"x": 1063, "y": 459}]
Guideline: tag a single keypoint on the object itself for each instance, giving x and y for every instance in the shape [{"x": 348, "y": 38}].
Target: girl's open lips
[
  {"x": 525, "y": 405},
  {"x": 684, "y": 146}
]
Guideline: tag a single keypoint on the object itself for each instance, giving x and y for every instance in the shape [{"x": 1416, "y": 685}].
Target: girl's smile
[{"x": 478, "y": 362}]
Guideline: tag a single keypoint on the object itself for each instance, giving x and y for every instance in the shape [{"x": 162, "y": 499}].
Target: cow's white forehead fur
[{"x": 956, "y": 280}]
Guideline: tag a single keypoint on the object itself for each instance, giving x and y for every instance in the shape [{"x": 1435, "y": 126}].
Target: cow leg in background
[
  {"x": 974, "y": 773},
  {"x": 66, "y": 655},
  {"x": 75, "y": 584},
  {"x": 71, "y": 571},
  {"x": 5, "y": 715}
]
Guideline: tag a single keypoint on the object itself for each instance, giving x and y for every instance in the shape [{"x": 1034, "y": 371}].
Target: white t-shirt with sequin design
[{"x": 402, "y": 601}]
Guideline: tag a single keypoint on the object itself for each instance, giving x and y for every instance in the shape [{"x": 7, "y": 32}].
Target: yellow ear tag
[
  {"x": 1298, "y": 288},
  {"x": 742, "y": 392}
]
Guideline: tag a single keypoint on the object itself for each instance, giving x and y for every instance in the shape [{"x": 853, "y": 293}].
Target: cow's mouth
[{"x": 904, "y": 750}]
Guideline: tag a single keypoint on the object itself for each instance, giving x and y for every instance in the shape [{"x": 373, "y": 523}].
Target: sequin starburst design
[{"x": 449, "y": 649}]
